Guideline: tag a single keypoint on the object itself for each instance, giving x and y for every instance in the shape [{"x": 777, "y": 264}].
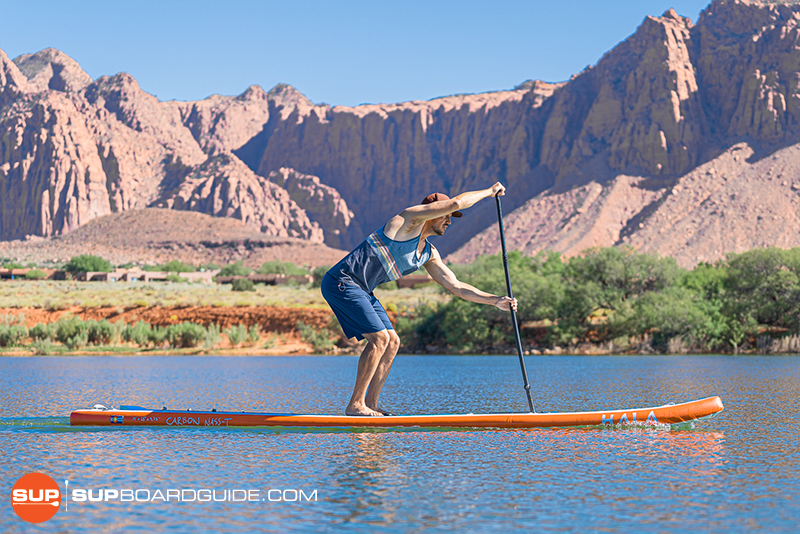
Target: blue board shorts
[{"x": 358, "y": 312}]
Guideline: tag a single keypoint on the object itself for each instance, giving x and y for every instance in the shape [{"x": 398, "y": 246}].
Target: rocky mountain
[
  {"x": 711, "y": 164},
  {"x": 672, "y": 142},
  {"x": 323, "y": 204},
  {"x": 74, "y": 149}
]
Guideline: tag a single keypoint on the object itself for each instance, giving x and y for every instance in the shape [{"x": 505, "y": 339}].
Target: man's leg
[
  {"x": 382, "y": 371},
  {"x": 377, "y": 343}
]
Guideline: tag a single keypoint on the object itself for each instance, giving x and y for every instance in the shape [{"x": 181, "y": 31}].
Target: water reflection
[{"x": 735, "y": 472}]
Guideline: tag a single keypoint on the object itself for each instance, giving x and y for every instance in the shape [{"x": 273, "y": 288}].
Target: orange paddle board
[{"x": 136, "y": 416}]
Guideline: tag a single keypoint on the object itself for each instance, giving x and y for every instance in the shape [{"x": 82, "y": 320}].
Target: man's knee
[
  {"x": 379, "y": 339},
  {"x": 394, "y": 340}
]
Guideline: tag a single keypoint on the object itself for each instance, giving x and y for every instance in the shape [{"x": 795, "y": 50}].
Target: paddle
[{"x": 513, "y": 313}]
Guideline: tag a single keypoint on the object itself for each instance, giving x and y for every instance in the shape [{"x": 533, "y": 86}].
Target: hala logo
[{"x": 35, "y": 497}]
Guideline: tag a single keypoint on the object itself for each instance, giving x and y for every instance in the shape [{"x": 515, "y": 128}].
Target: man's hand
[
  {"x": 506, "y": 303},
  {"x": 498, "y": 189}
]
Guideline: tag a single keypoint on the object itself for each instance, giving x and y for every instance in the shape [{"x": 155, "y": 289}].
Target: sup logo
[{"x": 35, "y": 497}]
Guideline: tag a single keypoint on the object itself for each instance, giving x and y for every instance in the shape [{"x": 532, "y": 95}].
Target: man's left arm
[{"x": 442, "y": 274}]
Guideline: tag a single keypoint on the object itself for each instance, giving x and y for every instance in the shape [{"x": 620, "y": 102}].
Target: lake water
[{"x": 737, "y": 472}]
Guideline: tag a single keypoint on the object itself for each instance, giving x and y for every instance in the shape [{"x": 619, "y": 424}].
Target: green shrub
[
  {"x": 43, "y": 331},
  {"x": 185, "y": 335},
  {"x": 86, "y": 263},
  {"x": 78, "y": 341},
  {"x": 763, "y": 286},
  {"x": 673, "y": 313},
  {"x": 278, "y": 267},
  {"x": 13, "y": 319},
  {"x": 158, "y": 335},
  {"x": 12, "y": 265},
  {"x": 12, "y": 335},
  {"x": 254, "y": 333},
  {"x": 319, "y": 274},
  {"x": 391, "y": 285},
  {"x": 177, "y": 266},
  {"x": 243, "y": 284},
  {"x": 70, "y": 327},
  {"x": 236, "y": 334},
  {"x": 270, "y": 341},
  {"x": 100, "y": 332},
  {"x": 320, "y": 340},
  {"x": 212, "y": 337},
  {"x": 138, "y": 333},
  {"x": 235, "y": 269},
  {"x": 119, "y": 328},
  {"x": 35, "y": 274},
  {"x": 176, "y": 278},
  {"x": 42, "y": 347}
]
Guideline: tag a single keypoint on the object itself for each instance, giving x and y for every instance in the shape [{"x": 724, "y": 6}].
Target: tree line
[{"x": 618, "y": 296}]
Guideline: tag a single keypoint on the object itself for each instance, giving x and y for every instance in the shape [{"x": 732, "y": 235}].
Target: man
[{"x": 399, "y": 248}]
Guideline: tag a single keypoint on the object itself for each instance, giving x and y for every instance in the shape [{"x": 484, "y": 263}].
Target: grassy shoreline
[
  {"x": 289, "y": 319},
  {"x": 59, "y": 295}
]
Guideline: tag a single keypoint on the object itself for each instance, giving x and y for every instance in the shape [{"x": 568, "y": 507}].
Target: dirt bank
[{"x": 272, "y": 319}]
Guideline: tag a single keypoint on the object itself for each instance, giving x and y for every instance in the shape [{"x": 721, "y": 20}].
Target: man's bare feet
[
  {"x": 363, "y": 410},
  {"x": 382, "y": 411}
]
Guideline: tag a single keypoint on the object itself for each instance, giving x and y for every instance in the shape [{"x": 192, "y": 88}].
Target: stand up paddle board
[{"x": 137, "y": 416}]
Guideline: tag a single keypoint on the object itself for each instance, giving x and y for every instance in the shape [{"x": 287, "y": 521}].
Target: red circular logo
[{"x": 35, "y": 497}]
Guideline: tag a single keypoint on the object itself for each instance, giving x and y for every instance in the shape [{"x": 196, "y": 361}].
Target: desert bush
[
  {"x": 673, "y": 313},
  {"x": 243, "y": 284},
  {"x": 13, "y": 319},
  {"x": 35, "y": 274},
  {"x": 254, "y": 333},
  {"x": 176, "y": 278},
  {"x": 158, "y": 335},
  {"x": 278, "y": 267},
  {"x": 235, "y": 269},
  {"x": 12, "y": 335},
  {"x": 138, "y": 333},
  {"x": 320, "y": 340},
  {"x": 86, "y": 263},
  {"x": 78, "y": 341},
  {"x": 46, "y": 331},
  {"x": 391, "y": 285},
  {"x": 762, "y": 287},
  {"x": 119, "y": 328},
  {"x": 270, "y": 341},
  {"x": 185, "y": 335},
  {"x": 318, "y": 274},
  {"x": 212, "y": 337},
  {"x": 70, "y": 327},
  {"x": 100, "y": 332},
  {"x": 177, "y": 266},
  {"x": 42, "y": 347},
  {"x": 236, "y": 334}
]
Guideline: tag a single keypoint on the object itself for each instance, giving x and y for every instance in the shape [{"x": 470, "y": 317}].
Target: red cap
[{"x": 436, "y": 197}]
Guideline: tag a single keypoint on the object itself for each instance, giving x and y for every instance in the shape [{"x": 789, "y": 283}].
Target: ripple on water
[{"x": 736, "y": 472}]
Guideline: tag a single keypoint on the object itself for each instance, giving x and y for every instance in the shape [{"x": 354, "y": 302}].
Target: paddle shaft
[{"x": 513, "y": 313}]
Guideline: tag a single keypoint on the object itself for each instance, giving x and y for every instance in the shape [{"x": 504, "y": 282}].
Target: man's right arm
[
  {"x": 425, "y": 212},
  {"x": 442, "y": 275}
]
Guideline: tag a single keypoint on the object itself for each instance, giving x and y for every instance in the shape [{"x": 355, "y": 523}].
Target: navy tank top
[{"x": 378, "y": 260}]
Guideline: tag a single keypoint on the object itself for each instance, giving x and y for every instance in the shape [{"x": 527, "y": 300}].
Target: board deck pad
[{"x": 136, "y": 416}]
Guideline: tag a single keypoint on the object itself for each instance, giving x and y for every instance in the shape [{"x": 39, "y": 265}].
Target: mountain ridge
[{"x": 672, "y": 97}]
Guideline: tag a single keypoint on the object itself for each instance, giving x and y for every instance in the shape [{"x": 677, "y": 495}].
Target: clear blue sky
[{"x": 340, "y": 52}]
